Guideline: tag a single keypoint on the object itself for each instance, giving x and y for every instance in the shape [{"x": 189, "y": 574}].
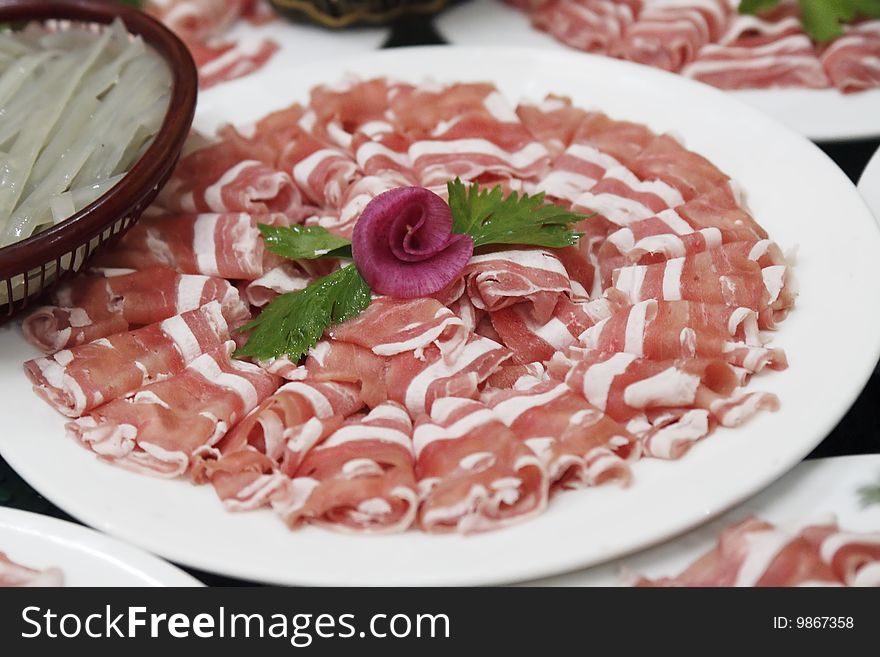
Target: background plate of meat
[
  {"x": 822, "y": 114},
  {"x": 38, "y": 550},
  {"x": 818, "y": 493},
  {"x": 831, "y": 337}
]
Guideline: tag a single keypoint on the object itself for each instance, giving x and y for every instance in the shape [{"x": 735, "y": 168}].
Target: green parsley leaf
[
  {"x": 294, "y": 322},
  {"x": 304, "y": 242},
  {"x": 756, "y": 6},
  {"x": 822, "y": 19},
  {"x": 870, "y": 494},
  {"x": 491, "y": 218}
]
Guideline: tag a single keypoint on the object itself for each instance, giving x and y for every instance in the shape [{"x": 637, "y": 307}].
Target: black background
[{"x": 857, "y": 433}]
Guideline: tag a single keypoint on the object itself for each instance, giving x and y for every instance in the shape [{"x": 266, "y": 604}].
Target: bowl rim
[{"x": 149, "y": 172}]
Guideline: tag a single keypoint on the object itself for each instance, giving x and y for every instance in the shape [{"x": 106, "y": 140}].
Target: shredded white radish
[{"x": 79, "y": 104}]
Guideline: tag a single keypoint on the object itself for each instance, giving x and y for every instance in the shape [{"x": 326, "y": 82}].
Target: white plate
[
  {"x": 813, "y": 491},
  {"x": 869, "y": 184},
  {"x": 86, "y": 557},
  {"x": 303, "y": 45},
  {"x": 820, "y": 114},
  {"x": 832, "y": 339}
]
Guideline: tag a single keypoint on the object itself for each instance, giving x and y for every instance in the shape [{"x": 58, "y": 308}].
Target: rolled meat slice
[
  {"x": 754, "y": 552},
  {"x": 15, "y": 574},
  {"x": 222, "y": 178},
  {"x": 157, "y": 429},
  {"x": 360, "y": 478},
  {"x": 663, "y": 330},
  {"x": 394, "y": 326},
  {"x": 730, "y": 275},
  {"x": 474, "y": 474},
  {"x": 502, "y": 278},
  {"x": 77, "y": 380},
  {"x": 852, "y": 61},
  {"x": 416, "y": 382},
  {"x": 667, "y": 404},
  {"x": 691, "y": 174},
  {"x": 533, "y": 341},
  {"x": 553, "y": 122},
  {"x": 578, "y": 444},
  {"x": 596, "y": 26},
  {"x": 287, "y": 424},
  {"x": 668, "y": 33},
  {"x": 107, "y": 302},
  {"x": 226, "y": 245}
]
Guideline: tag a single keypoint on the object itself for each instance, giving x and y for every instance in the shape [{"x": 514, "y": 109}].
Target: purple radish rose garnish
[{"x": 403, "y": 244}]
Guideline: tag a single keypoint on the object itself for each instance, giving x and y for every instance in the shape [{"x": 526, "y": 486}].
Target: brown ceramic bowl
[{"x": 30, "y": 267}]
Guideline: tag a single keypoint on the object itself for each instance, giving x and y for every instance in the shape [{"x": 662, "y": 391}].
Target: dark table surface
[{"x": 857, "y": 433}]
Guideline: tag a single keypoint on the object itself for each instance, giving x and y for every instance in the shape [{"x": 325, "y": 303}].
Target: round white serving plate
[
  {"x": 832, "y": 339},
  {"x": 301, "y": 45},
  {"x": 869, "y": 184},
  {"x": 819, "y": 114},
  {"x": 814, "y": 491},
  {"x": 86, "y": 557}
]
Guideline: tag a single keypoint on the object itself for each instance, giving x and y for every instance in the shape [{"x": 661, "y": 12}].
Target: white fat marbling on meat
[
  {"x": 592, "y": 155},
  {"x": 77, "y": 318},
  {"x": 427, "y": 433},
  {"x": 182, "y": 336},
  {"x": 567, "y": 185},
  {"x": 303, "y": 169},
  {"x": 149, "y": 397},
  {"x": 636, "y": 324},
  {"x": 527, "y": 156},
  {"x": 501, "y": 110},
  {"x": 417, "y": 390},
  {"x": 762, "y": 547},
  {"x": 867, "y": 575},
  {"x": 671, "y": 387},
  {"x": 190, "y": 289},
  {"x": 205, "y": 244},
  {"x": 419, "y": 341},
  {"x": 666, "y": 441},
  {"x": 839, "y": 540},
  {"x": 630, "y": 280},
  {"x": 206, "y": 366},
  {"x": 72, "y": 398},
  {"x": 298, "y": 492},
  {"x": 376, "y": 128},
  {"x": 356, "y": 432},
  {"x": 774, "y": 281},
  {"x": 302, "y": 438},
  {"x": 676, "y": 223},
  {"x": 617, "y": 209},
  {"x": 511, "y": 409},
  {"x": 478, "y": 461},
  {"x": 672, "y": 279},
  {"x": 599, "y": 377},
  {"x": 529, "y": 258},
  {"x": 371, "y": 149},
  {"x": 320, "y": 404},
  {"x": 214, "y": 193}
]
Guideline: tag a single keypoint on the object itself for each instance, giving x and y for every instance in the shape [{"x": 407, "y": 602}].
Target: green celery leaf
[
  {"x": 304, "y": 242},
  {"x": 756, "y": 6},
  {"x": 294, "y": 322},
  {"x": 491, "y": 218},
  {"x": 470, "y": 205},
  {"x": 870, "y": 494},
  {"x": 867, "y": 8},
  {"x": 822, "y": 18}
]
